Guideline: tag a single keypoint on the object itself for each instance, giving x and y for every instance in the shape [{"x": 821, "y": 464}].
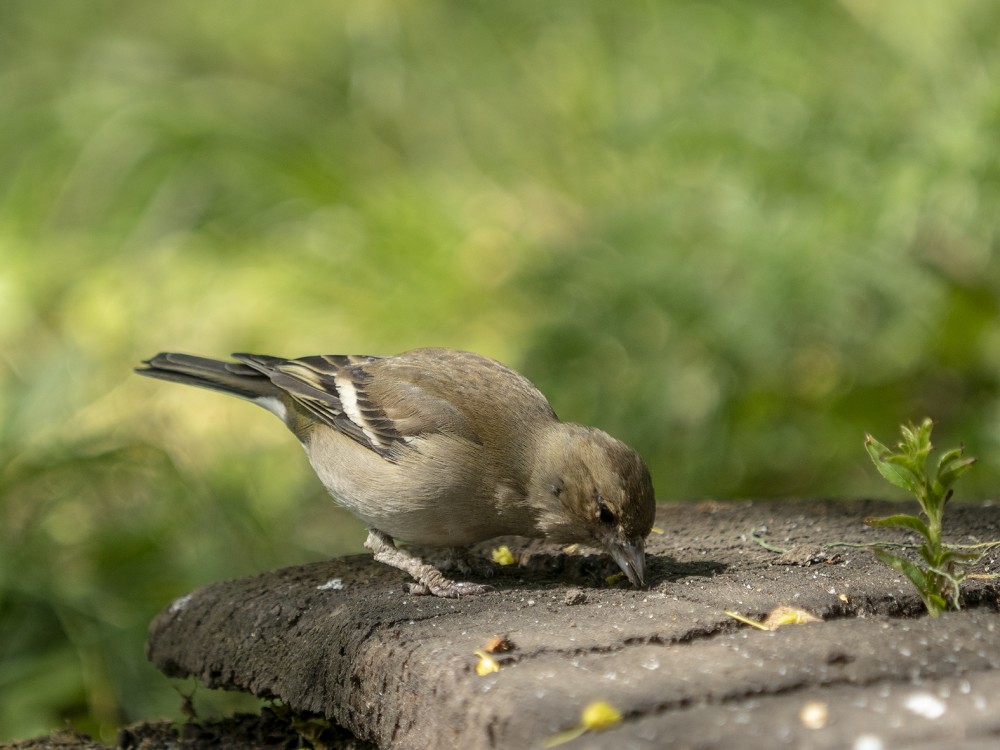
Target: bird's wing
[
  {"x": 378, "y": 402},
  {"x": 333, "y": 390}
]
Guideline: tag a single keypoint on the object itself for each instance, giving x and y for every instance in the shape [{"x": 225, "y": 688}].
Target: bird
[{"x": 443, "y": 448}]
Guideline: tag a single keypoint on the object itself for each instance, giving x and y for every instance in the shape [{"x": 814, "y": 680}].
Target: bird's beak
[{"x": 631, "y": 558}]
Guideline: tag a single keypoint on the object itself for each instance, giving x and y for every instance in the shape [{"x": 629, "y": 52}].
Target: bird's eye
[
  {"x": 605, "y": 513},
  {"x": 557, "y": 488}
]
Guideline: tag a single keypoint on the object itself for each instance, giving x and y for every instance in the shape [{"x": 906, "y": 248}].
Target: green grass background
[{"x": 736, "y": 235}]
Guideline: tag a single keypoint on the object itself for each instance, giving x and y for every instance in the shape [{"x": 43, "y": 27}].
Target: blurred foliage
[{"x": 726, "y": 232}]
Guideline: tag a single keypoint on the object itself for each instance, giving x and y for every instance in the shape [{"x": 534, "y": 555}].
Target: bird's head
[{"x": 596, "y": 491}]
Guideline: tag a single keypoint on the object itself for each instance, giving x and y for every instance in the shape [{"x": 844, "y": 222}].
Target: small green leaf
[
  {"x": 903, "y": 461},
  {"x": 948, "y": 456},
  {"x": 931, "y": 557},
  {"x": 961, "y": 558},
  {"x": 896, "y": 475},
  {"x": 934, "y": 603},
  {"x": 948, "y": 474},
  {"x": 904, "y": 566},
  {"x": 875, "y": 448},
  {"x": 914, "y": 471},
  {"x": 918, "y": 439},
  {"x": 901, "y": 520},
  {"x": 949, "y": 586}
]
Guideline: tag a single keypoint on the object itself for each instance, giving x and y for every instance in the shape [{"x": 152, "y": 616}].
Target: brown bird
[{"x": 445, "y": 448}]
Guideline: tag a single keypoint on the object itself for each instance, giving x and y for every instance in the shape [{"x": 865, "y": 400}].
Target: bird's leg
[
  {"x": 428, "y": 578},
  {"x": 458, "y": 561}
]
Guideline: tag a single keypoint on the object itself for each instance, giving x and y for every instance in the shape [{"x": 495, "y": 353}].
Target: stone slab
[{"x": 341, "y": 638}]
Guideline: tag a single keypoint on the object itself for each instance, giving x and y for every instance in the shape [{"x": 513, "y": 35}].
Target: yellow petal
[
  {"x": 595, "y": 717},
  {"x": 746, "y": 620},
  {"x": 600, "y": 715},
  {"x": 778, "y": 617},
  {"x": 486, "y": 665},
  {"x": 788, "y": 616},
  {"x": 503, "y": 556},
  {"x": 561, "y": 738}
]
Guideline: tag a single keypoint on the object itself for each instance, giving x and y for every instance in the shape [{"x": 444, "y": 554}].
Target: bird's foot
[
  {"x": 429, "y": 580},
  {"x": 448, "y": 589},
  {"x": 456, "y": 561}
]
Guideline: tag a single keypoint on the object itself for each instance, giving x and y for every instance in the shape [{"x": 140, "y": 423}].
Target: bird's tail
[{"x": 228, "y": 377}]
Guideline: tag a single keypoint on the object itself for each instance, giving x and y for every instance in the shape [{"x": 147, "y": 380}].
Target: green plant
[{"x": 939, "y": 577}]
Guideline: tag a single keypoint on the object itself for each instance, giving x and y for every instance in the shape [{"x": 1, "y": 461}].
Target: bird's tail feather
[{"x": 228, "y": 377}]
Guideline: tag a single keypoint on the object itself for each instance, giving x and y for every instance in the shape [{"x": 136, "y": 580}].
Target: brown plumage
[{"x": 444, "y": 448}]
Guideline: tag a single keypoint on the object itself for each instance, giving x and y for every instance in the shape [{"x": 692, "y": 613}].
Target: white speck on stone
[
  {"x": 334, "y": 584},
  {"x": 179, "y": 604},
  {"x": 926, "y": 705},
  {"x": 814, "y": 715},
  {"x": 868, "y": 742}
]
